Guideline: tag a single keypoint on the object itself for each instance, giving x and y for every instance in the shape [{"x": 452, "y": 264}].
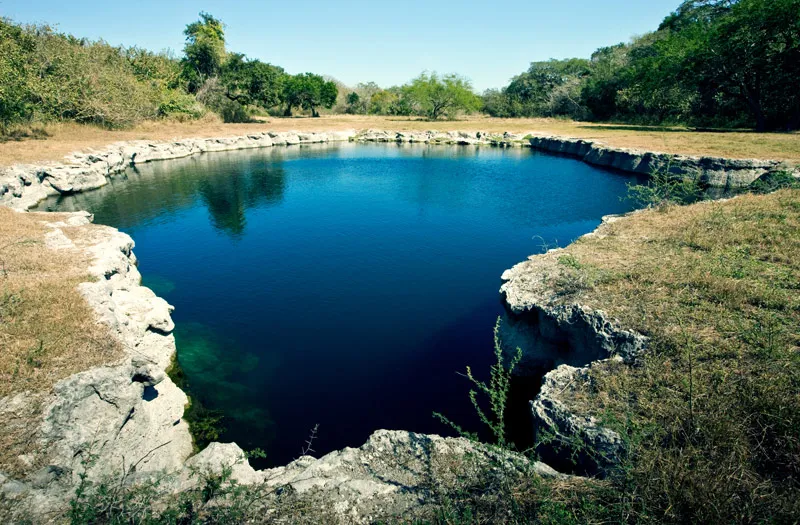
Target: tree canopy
[
  {"x": 435, "y": 96},
  {"x": 252, "y": 81},
  {"x": 710, "y": 63},
  {"x": 310, "y": 92},
  {"x": 204, "y": 50}
]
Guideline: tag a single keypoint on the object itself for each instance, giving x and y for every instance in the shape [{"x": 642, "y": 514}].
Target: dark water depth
[{"x": 342, "y": 285}]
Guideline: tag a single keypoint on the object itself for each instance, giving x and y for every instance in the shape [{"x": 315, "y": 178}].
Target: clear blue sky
[{"x": 388, "y": 42}]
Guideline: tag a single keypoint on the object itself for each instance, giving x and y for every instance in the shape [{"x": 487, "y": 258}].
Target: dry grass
[
  {"x": 712, "y": 414},
  {"x": 47, "y": 330},
  {"x": 57, "y": 140}
]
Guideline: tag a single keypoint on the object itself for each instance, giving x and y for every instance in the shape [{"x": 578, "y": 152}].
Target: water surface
[{"x": 342, "y": 285}]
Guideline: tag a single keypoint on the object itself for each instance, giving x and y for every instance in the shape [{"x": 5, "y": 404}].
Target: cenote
[{"x": 343, "y": 285}]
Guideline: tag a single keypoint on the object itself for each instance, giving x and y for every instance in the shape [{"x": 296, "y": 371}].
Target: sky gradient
[{"x": 357, "y": 41}]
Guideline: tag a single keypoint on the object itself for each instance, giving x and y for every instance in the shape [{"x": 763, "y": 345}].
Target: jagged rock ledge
[
  {"x": 24, "y": 185},
  {"x": 132, "y": 412},
  {"x": 543, "y": 322},
  {"x": 710, "y": 171},
  {"x": 101, "y": 421}
]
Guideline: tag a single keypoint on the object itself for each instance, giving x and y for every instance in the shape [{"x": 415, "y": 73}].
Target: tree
[
  {"x": 546, "y": 89},
  {"x": 753, "y": 54},
  {"x": 308, "y": 91},
  {"x": 738, "y": 57},
  {"x": 15, "y": 94},
  {"x": 531, "y": 91},
  {"x": 435, "y": 96},
  {"x": 355, "y": 104},
  {"x": 252, "y": 81},
  {"x": 204, "y": 50},
  {"x": 599, "y": 93}
]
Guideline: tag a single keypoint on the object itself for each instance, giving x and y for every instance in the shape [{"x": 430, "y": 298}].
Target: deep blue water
[{"x": 342, "y": 285}]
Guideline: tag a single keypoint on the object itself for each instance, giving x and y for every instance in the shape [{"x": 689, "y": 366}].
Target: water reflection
[
  {"x": 227, "y": 183},
  {"x": 228, "y": 195}
]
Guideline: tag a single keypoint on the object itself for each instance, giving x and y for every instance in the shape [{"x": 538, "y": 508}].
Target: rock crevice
[{"x": 571, "y": 338}]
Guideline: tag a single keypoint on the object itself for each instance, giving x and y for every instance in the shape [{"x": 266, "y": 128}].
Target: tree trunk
[
  {"x": 288, "y": 112},
  {"x": 794, "y": 121},
  {"x": 753, "y": 100},
  {"x": 314, "y": 112}
]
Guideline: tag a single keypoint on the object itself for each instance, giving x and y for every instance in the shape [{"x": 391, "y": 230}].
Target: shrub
[
  {"x": 496, "y": 391},
  {"x": 664, "y": 188},
  {"x": 176, "y": 104},
  {"x": 774, "y": 181},
  {"x": 212, "y": 95}
]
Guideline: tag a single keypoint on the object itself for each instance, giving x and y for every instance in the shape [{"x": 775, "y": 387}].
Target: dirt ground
[{"x": 57, "y": 140}]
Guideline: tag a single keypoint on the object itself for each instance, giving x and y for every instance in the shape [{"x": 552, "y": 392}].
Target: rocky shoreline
[
  {"x": 124, "y": 421},
  {"x": 715, "y": 172},
  {"x": 101, "y": 421},
  {"x": 542, "y": 323},
  {"x": 22, "y": 186}
]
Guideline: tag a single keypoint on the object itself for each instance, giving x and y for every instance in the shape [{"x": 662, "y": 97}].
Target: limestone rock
[
  {"x": 711, "y": 171},
  {"x": 390, "y": 475},
  {"x": 573, "y": 440},
  {"x": 550, "y": 327}
]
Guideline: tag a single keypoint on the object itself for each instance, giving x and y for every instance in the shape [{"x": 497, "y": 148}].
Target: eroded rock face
[
  {"x": 569, "y": 438},
  {"x": 125, "y": 419},
  {"x": 460, "y": 138},
  {"x": 556, "y": 331},
  {"x": 711, "y": 171}
]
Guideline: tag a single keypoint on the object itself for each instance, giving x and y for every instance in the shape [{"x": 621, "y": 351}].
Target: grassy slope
[
  {"x": 68, "y": 137},
  {"x": 712, "y": 415}
]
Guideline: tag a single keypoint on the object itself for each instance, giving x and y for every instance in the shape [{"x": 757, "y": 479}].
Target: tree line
[
  {"x": 711, "y": 63},
  {"x": 46, "y": 75}
]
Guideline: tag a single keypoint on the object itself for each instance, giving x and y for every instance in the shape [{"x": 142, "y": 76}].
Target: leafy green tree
[
  {"x": 204, "y": 50},
  {"x": 390, "y": 101},
  {"x": 606, "y": 80},
  {"x": 496, "y": 103},
  {"x": 530, "y": 93},
  {"x": 15, "y": 95},
  {"x": 752, "y": 53},
  {"x": 355, "y": 104},
  {"x": 548, "y": 88},
  {"x": 435, "y": 96},
  {"x": 252, "y": 82},
  {"x": 308, "y": 91}
]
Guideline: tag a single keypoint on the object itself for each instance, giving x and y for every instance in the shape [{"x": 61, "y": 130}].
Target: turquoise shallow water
[{"x": 342, "y": 285}]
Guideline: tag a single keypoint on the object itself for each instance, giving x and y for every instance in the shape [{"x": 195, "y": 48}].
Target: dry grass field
[{"x": 53, "y": 141}]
